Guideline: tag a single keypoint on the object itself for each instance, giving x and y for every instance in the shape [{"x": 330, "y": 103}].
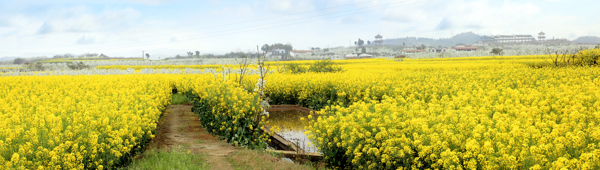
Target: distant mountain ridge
[
  {"x": 588, "y": 39},
  {"x": 7, "y": 58},
  {"x": 462, "y": 38}
]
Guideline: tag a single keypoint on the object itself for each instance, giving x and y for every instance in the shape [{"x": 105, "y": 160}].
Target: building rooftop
[
  {"x": 301, "y": 51},
  {"x": 465, "y": 48},
  {"x": 413, "y": 50}
]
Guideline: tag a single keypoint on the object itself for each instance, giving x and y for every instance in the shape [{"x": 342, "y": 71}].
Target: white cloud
[
  {"x": 353, "y": 19},
  {"x": 120, "y": 28},
  {"x": 86, "y": 39},
  {"x": 148, "y": 2},
  {"x": 461, "y": 15},
  {"x": 289, "y": 6},
  {"x": 78, "y": 19}
]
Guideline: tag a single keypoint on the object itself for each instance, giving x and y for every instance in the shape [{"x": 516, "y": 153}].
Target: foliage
[
  {"x": 37, "y": 66},
  {"x": 324, "y": 66},
  {"x": 265, "y": 47},
  {"x": 496, "y": 51},
  {"x": 179, "y": 99},
  {"x": 19, "y": 61},
  {"x": 77, "y": 66},
  {"x": 569, "y": 58},
  {"x": 287, "y": 47},
  {"x": 226, "y": 110},
  {"x": 295, "y": 68},
  {"x": 589, "y": 57},
  {"x": 177, "y": 158}
]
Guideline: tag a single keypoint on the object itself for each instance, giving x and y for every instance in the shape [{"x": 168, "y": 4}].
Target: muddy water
[{"x": 290, "y": 125}]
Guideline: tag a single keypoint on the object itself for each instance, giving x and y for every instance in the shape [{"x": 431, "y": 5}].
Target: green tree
[
  {"x": 496, "y": 51},
  {"x": 147, "y": 56},
  {"x": 364, "y": 50},
  {"x": 19, "y": 61},
  {"x": 360, "y": 42},
  {"x": 264, "y": 47}
]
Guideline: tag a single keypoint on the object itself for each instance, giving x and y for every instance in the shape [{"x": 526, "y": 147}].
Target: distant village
[
  {"x": 366, "y": 50},
  {"x": 464, "y": 44}
]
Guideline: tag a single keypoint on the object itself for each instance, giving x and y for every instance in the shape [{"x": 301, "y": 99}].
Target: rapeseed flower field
[
  {"x": 447, "y": 113},
  {"x": 457, "y": 113},
  {"x": 77, "y": 122}
]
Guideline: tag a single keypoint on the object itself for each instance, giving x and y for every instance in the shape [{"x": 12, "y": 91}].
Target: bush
[
  {"x": 78, "y": 66},
  {"x": 179, "y": 99},
  {"x": 589, "y": 57},
  {"x": 496, "y": 51},
  {"x": 19, "y": 61},
  {"x": 295, "y": 68},
  {"x": 35, "y": 66},
  {"x": 324, "y": 66},
  {"x": 227, "y": 110}
]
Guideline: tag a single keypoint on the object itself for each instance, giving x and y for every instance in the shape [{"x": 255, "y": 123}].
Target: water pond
[{"x": 289, "y": 123}]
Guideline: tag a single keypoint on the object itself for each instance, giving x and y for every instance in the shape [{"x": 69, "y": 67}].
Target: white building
[
  {"x": 276, "y": 53},
  {"x": 507, "y": 39},
  {"x": 298, "y": 53}
]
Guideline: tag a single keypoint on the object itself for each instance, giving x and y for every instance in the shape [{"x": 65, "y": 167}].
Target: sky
[{"x": 164, "y": 28}]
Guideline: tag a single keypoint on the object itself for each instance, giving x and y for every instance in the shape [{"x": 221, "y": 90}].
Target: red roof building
[
  {"x": 465, "y": 48},
  {"x": 413, "y": 51},
  {"x": 301, "y": 51}
]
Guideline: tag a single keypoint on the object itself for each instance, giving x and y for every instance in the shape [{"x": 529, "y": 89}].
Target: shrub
[
  {"x": 496, "y": 51},
  {"x": 324, "y": 66},
  {"x": 226, "y": 110},
  {"x": 589, "y": 57},
  {"x": 35, "y": 66},
  {"x": 295, "y": 68},
  {"x": 78, "y": 66}
]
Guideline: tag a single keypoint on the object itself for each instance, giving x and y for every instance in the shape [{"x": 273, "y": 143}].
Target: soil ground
[{"x": 180, "y": 127}]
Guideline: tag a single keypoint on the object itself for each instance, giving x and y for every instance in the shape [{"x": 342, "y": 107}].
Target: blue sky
[{"x": 169, "y": 27}]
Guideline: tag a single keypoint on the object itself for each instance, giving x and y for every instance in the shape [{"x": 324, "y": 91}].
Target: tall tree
[
  {"x": 264, "y": 47},
  {"x": 147, "y": 56},
  {"x": 360, "y": 42},
  {"x": 19, "y": 61},
  {"x": 197, "y": 53},
  {"x": 286, "y": 47}
]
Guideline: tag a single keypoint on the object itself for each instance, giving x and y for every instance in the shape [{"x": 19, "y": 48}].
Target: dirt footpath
[{"x": 181, "y": 127}]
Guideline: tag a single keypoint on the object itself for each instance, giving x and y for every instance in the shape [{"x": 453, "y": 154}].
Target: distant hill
[
  {"x": 7, "y": 58},
  {"x": 464, "y": 38},
  {"x": 588, "y": 39}
]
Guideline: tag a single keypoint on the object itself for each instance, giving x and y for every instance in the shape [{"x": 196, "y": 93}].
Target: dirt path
[{"x": 181, "y": 127}]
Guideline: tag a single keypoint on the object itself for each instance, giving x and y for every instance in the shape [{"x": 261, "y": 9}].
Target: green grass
[
  {"x": 178, "y": 158},
  {"x": 255, "y": 159},
  {"x": 179, "y": 99}
]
